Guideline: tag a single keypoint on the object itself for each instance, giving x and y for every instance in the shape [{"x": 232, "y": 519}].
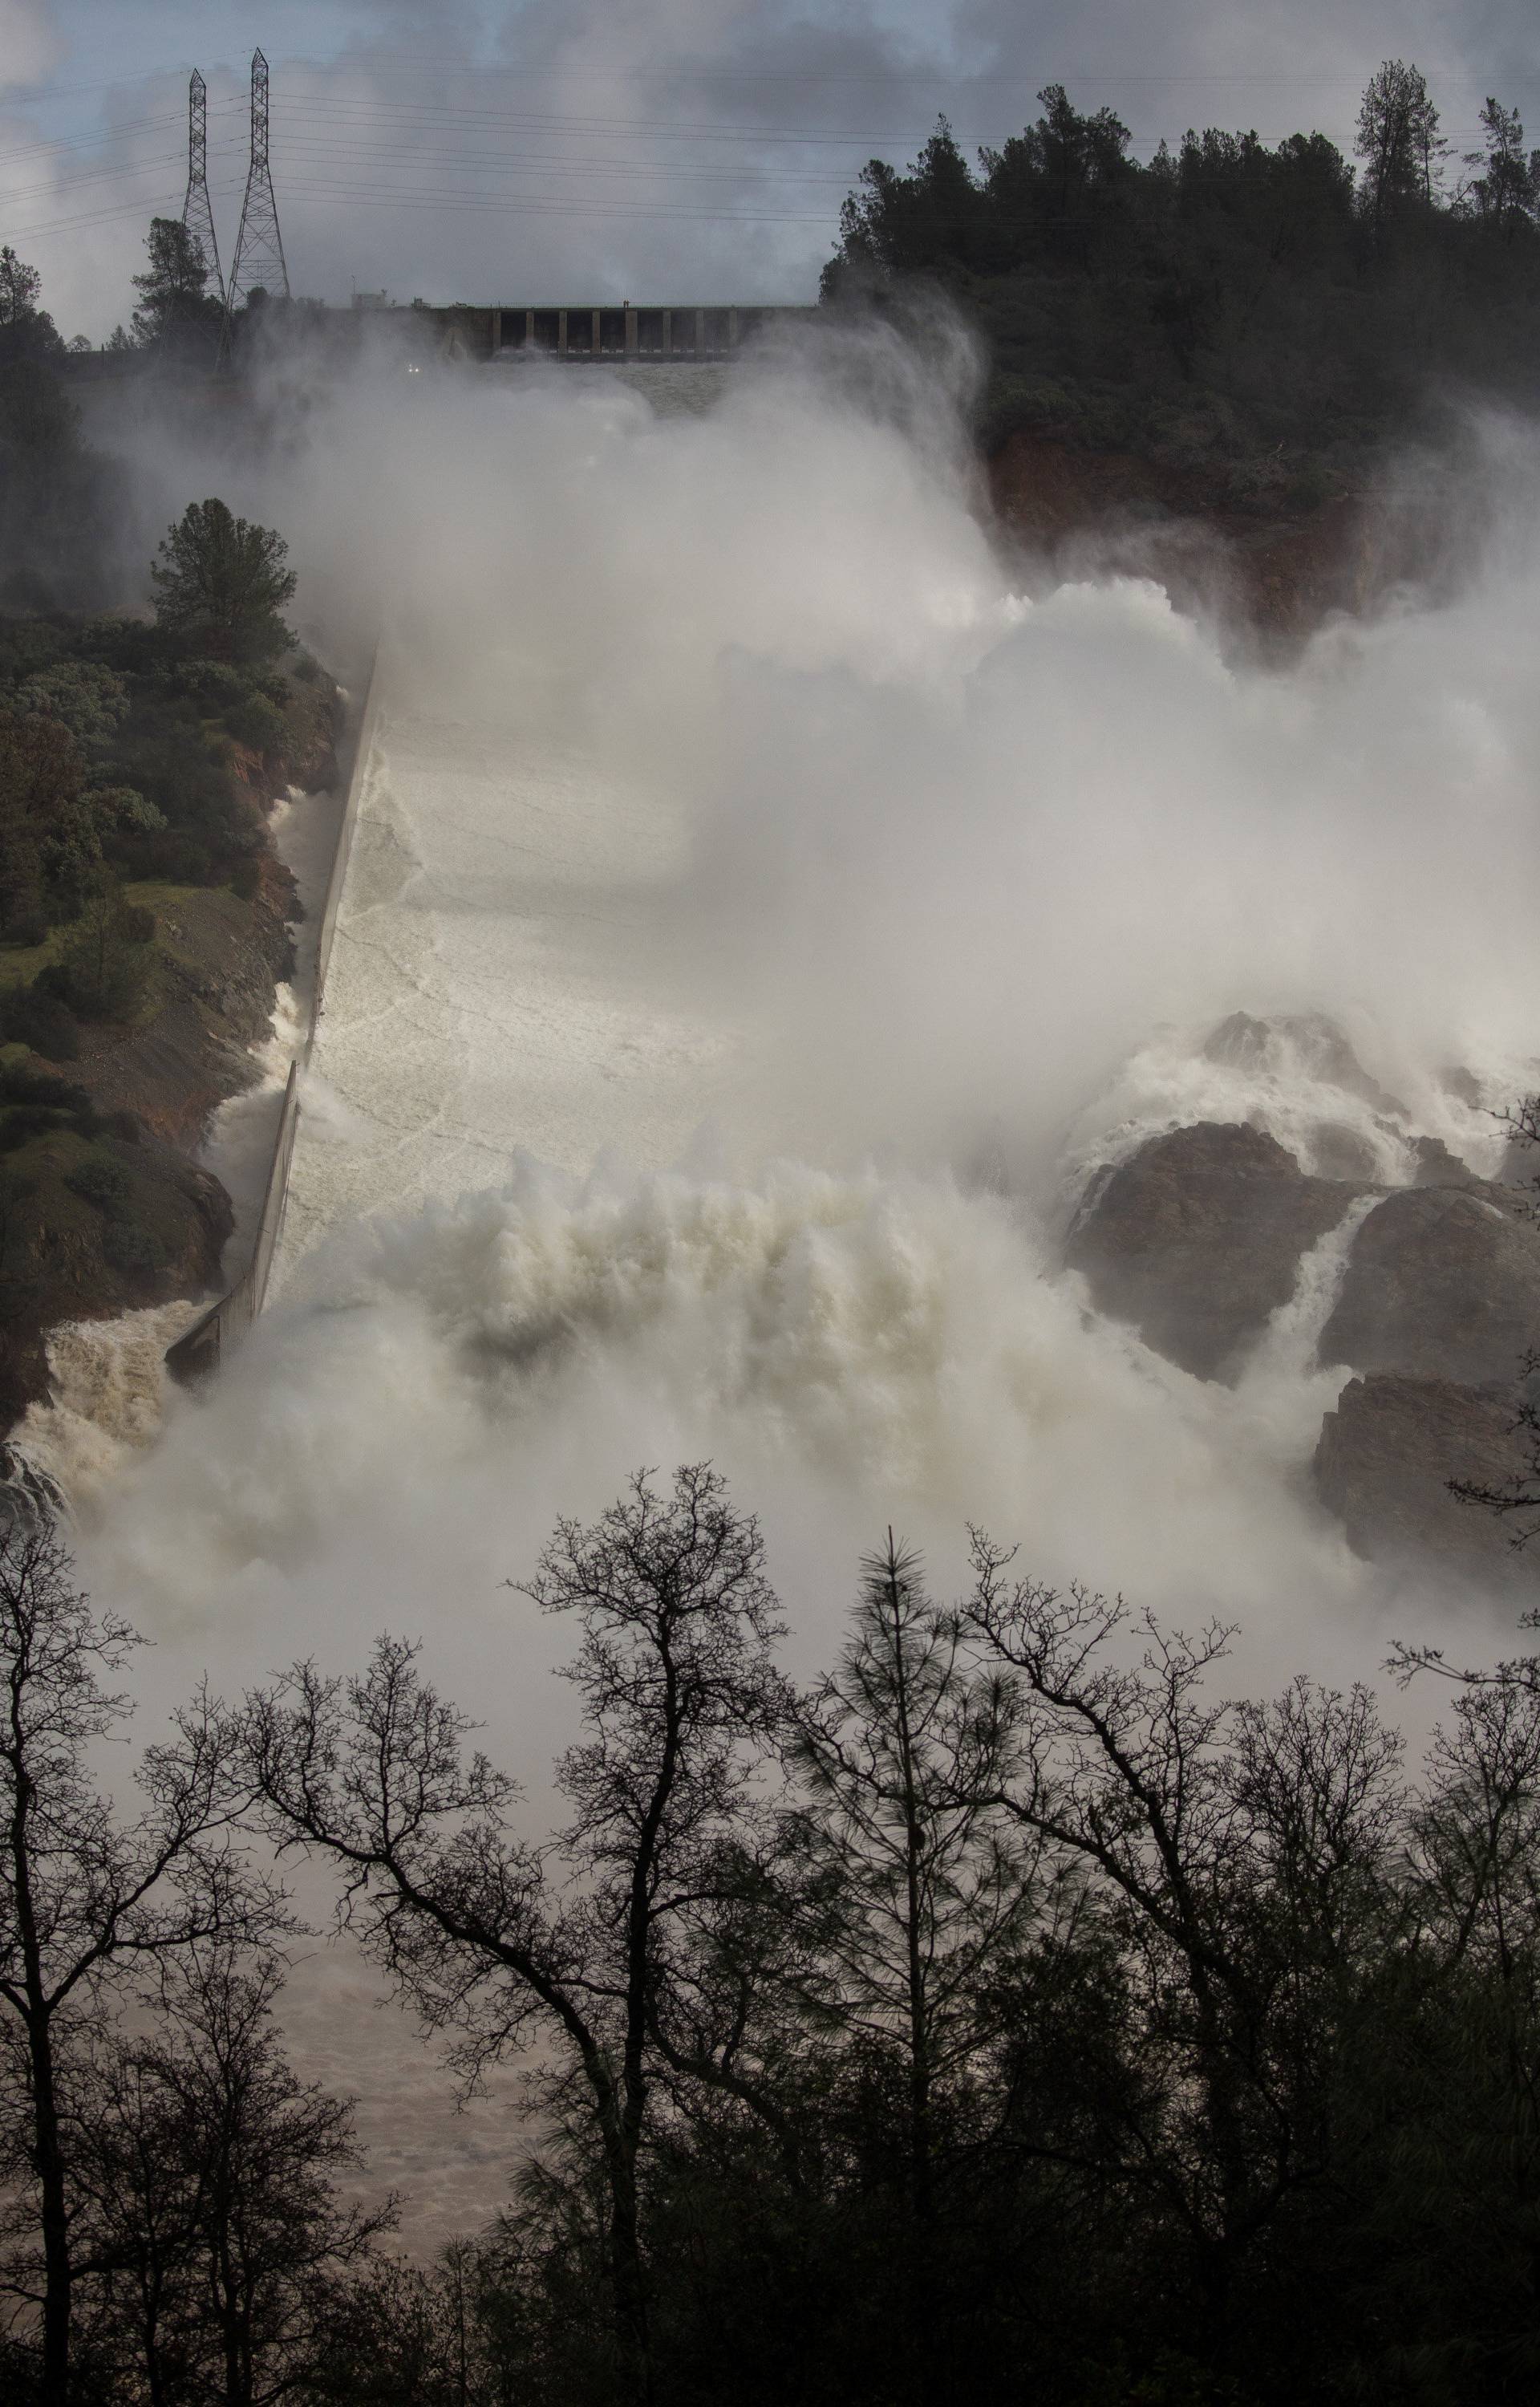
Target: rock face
[
  {"x": 1442, "y": 1283},
  {"x": 1196, "y": 1240},
  {"x": 1199, "y": 1238},
  {"x": 1384, "y": 1461}
]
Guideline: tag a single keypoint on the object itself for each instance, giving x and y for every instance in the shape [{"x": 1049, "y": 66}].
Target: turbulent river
[{"x": 768, "y": 903}]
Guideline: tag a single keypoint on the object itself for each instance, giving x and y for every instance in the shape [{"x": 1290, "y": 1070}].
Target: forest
[
  {"x": 1264, "y": 319},
  {"x": 1010, "y": 2012}
]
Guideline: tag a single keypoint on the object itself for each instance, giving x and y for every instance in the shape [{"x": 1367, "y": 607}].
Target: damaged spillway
[{"x": 494, "y": 980}]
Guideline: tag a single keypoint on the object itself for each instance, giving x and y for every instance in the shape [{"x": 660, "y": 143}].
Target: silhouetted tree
[
  {"x": 1239, "y": 1849},
  {"x": 1506, "y": 194},
  {"x": 1398, "y": 140},
  {"x": 678, "y": 1690},
  {"x": 212, "y": 2207},
  {"x": 175, "y": 304},
  {"x": 87, "y": 1901}
]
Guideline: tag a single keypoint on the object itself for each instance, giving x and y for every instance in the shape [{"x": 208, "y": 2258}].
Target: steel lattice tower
[
  {"x": 259, "y": 246},
  {"x": 197, "y": 209}
]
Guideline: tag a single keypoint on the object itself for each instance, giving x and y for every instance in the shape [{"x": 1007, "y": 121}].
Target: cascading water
[{"x": 763, "y": 915}]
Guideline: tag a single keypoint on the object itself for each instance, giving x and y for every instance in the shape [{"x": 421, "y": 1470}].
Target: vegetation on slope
[{"x": 1262, "y": 319}]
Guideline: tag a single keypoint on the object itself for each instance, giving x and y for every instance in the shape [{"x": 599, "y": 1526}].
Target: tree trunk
[
  {"x": 53, "y": 2218},
  {"x": 630, "y": 2293}
]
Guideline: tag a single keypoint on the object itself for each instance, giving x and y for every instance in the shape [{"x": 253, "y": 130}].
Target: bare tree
[
  {"x": 1237, "y": 1846},
  {"x": 678, "y": 1690},
  {"x": 89, "y": 1901},
  {"x": 213, "y": 2211}
]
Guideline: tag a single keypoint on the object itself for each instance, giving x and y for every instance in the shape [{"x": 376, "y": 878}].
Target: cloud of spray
[
  {"x": 729, "y": 771},
  {"x": 938, "y": 857}
]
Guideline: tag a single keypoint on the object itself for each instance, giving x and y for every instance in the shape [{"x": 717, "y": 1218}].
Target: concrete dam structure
[{"x": 653, "y": 334}]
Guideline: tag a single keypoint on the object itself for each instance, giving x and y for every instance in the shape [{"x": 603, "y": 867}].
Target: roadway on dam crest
[{"x": 498, "y": 980}]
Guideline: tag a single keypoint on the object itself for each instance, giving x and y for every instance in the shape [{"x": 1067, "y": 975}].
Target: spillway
[{"x": 498, "y": 979}]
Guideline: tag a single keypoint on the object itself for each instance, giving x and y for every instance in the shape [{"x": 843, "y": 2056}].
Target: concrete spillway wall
[{"x": 201, "y": 1348}]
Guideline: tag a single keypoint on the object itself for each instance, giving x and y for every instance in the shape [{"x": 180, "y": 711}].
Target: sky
[{"x": 656, "y": 151}]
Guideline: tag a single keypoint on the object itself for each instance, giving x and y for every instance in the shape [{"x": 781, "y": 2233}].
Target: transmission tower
[
  {"x": 197, "y": 209},
  {"x": 259, "y": 246}
]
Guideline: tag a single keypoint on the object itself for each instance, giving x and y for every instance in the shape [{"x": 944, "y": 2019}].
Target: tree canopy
[
  {"x": 1261, "y": 315},
  {"x": 220, "y": 581}
]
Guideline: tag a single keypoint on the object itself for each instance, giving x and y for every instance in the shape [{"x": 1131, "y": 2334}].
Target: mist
[
  {"x": 925, "y": 880},
  {"x": 772, "y": 898}
]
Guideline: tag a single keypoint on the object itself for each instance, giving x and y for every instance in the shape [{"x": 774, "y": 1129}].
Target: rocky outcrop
[
  {"x": 1383, "y": 1465},
  {"x": 1442, "y": 1283},
  {"x": 1197, "y": 1239}
]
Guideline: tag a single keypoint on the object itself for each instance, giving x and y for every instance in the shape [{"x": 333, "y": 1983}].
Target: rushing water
[{"x": 767, "y": 905}]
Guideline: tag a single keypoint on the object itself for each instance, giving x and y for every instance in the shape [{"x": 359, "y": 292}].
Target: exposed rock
[
  {"x": 1436, "y": 1166},
  {"x": 1197, "y": 1239},
  {"x": 1341, "y": 1153},
  {"x": 1384, "y": 1462},
  {"x": 1441, "y": 1283}
]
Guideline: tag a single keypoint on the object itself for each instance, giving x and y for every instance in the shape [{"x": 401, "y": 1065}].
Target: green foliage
[
  {"x": 258, "y": 723},
  {"x": 31, "y": 1015},
  {"x": 100, "y": 1180},
  {"x": 82, "y": 696},
  {"x": 223, "y": 583},
  {"x": 56, "y": 498},
  {"x": 1246, "y": 313},
  {"x": 137, "y": 1251},
  {"x": 106, "y": 965},
  {"x": 44, "y": 833}
]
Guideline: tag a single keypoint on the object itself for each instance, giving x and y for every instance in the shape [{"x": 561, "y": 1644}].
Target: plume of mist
[{"x": 738, "y": 724}]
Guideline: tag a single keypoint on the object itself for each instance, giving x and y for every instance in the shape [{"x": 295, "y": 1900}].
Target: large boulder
[
  {"x": 1384, "y": 1462},
  {"x": 1197, "y": 1238},
  {"x": 1442, "y": 1283}
]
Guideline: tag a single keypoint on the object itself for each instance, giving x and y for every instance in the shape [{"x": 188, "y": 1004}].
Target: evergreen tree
[
  {"x": 223, "y": 583},
  {"x": 175, "y": 302}
]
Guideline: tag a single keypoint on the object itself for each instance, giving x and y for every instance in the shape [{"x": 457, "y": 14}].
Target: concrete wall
[{"x": 201, "y": 1348}]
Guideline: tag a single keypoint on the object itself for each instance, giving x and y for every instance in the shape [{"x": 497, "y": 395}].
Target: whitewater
[{"x": 770, "y": 900}]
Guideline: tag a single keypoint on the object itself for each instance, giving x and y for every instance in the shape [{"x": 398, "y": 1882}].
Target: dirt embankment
[{"x": 1276, "y": 571}]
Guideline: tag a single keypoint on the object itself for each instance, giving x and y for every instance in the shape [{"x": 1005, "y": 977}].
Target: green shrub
[
  {"x": 129, "y": 1248},
  {"x": 103, "y": 971},
  {"x": 31, "y": 1015},
  {"x": 85, "y": 697},
  {"x": 257, "y": 723},
  {"x": 99, "y": 1180},
  {"x": 20, "y": 1085}
]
